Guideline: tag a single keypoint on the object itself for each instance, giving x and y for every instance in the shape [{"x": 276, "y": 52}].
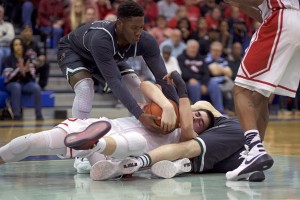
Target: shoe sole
[
  {"x": 106, "y": 169},
  {"x": 84, "y": 140},
  {"x": 257, "y": 177},
  {"x": 168, "y": 169},
  {"x": 262, "y": 163}
]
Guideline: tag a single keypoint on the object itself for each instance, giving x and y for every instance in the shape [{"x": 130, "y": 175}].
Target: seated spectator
[
  {"x": 151, "y": 12},
  {"x": 240, "y": 33},
  {"x": 32, "y": 51},
  {"x": 214, "y": 18},
  {"x": 201, "y": 35},
  {"x": 196, "y": 75},
  {"x": 175, "y": 42},
  {"x": 104, "y": 8},
  {"x": 225, "y": 37},
  {"x": 161, "y": 32},
  {"x": 51, "y": 19},
  {"x": 207, "y": 7},
  {"x": 235, "y": 58},
  {"x": 184, "y": 26},
  {"x": 19, "y": 74},
  {"x": 220, "y": 72},
  {"x": 90, "y": 15},
  {"x": 193, "y": 12},
  {"x": 76, "y": 16},
  {"x": 167, "y": 8},
  {"x": 7, "y": 33},
  {"x": 170, "y": 61},
  {"x": 180, "y": 13}
]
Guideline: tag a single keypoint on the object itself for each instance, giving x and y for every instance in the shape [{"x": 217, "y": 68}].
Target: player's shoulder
[{"x": 147, "y": 39}]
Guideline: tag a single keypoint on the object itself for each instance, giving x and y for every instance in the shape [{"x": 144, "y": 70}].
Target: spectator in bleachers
[
  {"x": 104, "y": 8},
  {"x": 33, "y": 52},
  {"x": 111, "y": 17},
  {"x": 235, "y": 58},
  {"x": 19, "y": 74},
  {"x": 175, "y": 42},
  {"x": 51, "y": 19},
  {"x": 90, "y": 14},
  {"x": 76, "y": 16},
  {"x": 151, "y": 12},
  {"x": 193, "y": 12},
  {"x": 27, "y": 10},
  {"x": 220, "y": 72},
  {"x": 194, "y": 71},
  {"x": 184, "y": 26},
  {"x": 180, "y": 13},
  {"x": 170, "y": 61},
  {"x": 167, "y": 8},
  {"x": 161, "y": 32},
  {"x": 213, "y": 19},
  {"x": 225, "y": 37},
  {"x": 207, "y": 6},
  {"x": 7, "y": 33},
  {"x": 201, "y": 35},
  {"x": 240, "y": 33}
]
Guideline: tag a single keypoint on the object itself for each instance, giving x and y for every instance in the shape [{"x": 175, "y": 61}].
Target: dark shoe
[
  {"x": 39, "y": 117},
  {"x": 86, "y": 139}
]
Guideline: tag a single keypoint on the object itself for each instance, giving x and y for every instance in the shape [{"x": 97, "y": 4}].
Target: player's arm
[
  {"x": 250, "y": 8},
  {"x": 185, "y": 111},
  {"x": 153, "y": 93}
]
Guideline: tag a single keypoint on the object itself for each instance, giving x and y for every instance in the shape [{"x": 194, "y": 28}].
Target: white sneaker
[
  {"x": 168, "y": 169},
  {"x": 107, "y": 169},
  {"x": 255, "y": 160},
  {"x": 82, "y": 165}
]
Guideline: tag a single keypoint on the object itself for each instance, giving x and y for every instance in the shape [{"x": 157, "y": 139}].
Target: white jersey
[
  {"x": 268, "y": 6},
  {"x": 123, "y": 126},
  {"x": 271, "y": 62}
]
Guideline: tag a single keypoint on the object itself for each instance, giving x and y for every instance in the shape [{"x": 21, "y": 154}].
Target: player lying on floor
[
  {"x": 122, "y": 137},
  {"x": 217, "y": 149}
]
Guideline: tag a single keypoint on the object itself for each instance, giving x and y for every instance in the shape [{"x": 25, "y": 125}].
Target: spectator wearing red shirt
[
  {"x": 213, "y": 19},
  {"x": 193, "y": 12},
  {"x": 180, "y": 13},
  {"x": 151, "y": 12},
  {"x": 51, "y": 19}
]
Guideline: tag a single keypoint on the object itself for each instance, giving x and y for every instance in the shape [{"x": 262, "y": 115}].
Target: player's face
[
  {"x": 200, "y": 121},
  {"x": 132, "y": 29}
]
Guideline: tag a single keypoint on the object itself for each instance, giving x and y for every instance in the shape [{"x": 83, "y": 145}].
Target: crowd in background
[{"x": 204, "y": 40}]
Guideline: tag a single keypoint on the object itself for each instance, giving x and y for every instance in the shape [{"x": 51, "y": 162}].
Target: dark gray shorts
[
  {"x": 71, "y": 63},
  {"x": 220, "y": 148}
]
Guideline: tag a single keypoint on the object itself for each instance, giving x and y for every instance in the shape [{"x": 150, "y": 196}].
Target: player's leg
[
  {"x": 50, "y": 142},
  {"x": 108, "y": 169}
]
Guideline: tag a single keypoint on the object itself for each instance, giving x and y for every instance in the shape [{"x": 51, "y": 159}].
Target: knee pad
[
  {"x": 129, "y": 144},
  {"x": 132, "y": 82},
  {"x": 16, "y": 149},
  {"x": 84, "y": 95}
]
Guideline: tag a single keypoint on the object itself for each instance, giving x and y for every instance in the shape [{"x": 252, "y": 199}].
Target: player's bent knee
[
  {"x": 129, "y": 144},
  {"x": 84, "y": 94}
]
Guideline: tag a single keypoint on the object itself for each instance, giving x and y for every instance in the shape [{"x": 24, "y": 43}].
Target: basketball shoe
[
  {"x": 107, "y": 169},
  {"x": 89, "y": 137},
  {"x": 255, "y": 160},
  {"x": 168, "y": 169}
]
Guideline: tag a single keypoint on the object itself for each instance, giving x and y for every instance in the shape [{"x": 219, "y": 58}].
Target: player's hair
[
  {"x": 211, "y": 118},
  {"x": 130, "y": 9}
]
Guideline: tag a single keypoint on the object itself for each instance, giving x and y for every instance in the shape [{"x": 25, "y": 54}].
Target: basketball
[{"x": 153, "y": 109}]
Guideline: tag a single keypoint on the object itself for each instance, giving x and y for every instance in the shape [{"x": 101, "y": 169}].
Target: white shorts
[
  {"x": 119, "y": 126},
  {"x": 272, "y": 60}
]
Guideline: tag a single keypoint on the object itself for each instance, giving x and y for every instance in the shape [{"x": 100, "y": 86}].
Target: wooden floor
[{"x": 56, "y": 179}]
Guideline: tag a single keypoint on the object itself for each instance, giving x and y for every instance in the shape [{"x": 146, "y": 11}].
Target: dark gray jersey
[{"x": 96, "y": 44}]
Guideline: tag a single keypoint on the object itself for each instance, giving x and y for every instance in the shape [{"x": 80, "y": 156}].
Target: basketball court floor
[{"x": 47, "y": 177}]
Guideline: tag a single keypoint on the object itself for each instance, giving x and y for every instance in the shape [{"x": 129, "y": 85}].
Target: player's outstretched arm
[{"x": 154, "y": 94}]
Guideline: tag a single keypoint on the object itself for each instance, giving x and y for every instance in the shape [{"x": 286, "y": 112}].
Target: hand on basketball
[
  {"x": 168, "y": 118},
  {"x": 148, "y": 121}
]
